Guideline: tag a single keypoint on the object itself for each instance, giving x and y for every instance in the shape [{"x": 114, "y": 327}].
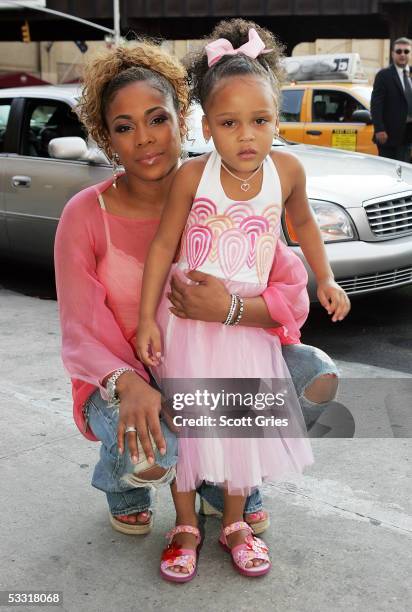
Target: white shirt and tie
[{"x": 405, "y": 79}]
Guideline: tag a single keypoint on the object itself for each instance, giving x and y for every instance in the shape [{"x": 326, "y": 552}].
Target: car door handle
[
  {"x": 21, "y": 181},
  {"x": 314, "y": 132}
]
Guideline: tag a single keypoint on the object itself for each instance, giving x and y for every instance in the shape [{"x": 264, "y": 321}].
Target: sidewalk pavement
[{"x": 340, "y": 536}]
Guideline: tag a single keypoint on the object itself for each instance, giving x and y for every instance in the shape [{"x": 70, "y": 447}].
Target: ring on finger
[{"x": 129, "y": 429}]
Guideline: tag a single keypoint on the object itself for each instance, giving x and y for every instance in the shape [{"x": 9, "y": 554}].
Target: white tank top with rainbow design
[{"x": 231, "y": 239}]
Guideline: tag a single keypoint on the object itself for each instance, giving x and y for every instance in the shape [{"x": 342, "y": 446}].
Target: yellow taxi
[{"x": 331, "y": 111}]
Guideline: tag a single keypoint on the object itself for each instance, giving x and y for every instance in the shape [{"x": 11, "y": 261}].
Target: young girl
[{"x": 226, "y": 209}]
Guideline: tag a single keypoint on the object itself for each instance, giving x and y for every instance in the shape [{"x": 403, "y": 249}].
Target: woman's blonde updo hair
[{"x": 112, "y": 69}]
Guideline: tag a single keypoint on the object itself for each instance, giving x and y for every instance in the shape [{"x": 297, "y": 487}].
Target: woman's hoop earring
[{"x": 115, "y": 167}]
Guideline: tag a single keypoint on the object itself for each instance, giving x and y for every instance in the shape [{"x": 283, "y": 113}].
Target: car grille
[
  {"x": 379, "y": 280},
  {"x": 390, "y": 217}
]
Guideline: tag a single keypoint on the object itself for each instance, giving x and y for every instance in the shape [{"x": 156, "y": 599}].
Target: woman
[{"x": 134, "y": 105}]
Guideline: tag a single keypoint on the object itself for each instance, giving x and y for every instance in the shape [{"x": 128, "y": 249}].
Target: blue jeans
[
  {"x": 112, "y": 466},
  {"x": 305, "y": 364}
]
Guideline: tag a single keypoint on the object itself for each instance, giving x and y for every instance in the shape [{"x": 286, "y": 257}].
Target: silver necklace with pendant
[{"x": 245, "y": 183}]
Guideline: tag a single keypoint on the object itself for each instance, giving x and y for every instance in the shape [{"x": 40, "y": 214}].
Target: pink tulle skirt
[{"x": 199, "y": 350}]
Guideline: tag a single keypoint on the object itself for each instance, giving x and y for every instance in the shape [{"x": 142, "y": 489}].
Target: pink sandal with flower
[
  {"x": 252, "y": 548},
  {"x": 184, "y": 557}
]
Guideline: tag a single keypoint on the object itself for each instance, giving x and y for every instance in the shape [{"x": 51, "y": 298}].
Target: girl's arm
[
  {"x": 330, "y": 294},
  {"x": 159, "y": 261}
]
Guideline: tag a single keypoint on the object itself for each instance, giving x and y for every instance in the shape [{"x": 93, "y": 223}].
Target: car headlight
[{"x": 334, "y": 223}]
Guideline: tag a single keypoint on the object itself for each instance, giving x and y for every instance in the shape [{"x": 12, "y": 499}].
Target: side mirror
[
  {"x": 361, "y": 116},
  {"x": 68, "y": 147},
  {"x": 75, "y": 148}
]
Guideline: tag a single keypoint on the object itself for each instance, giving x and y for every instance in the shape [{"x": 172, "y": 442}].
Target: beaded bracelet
[
  {"x": 241, "y": 308},
  {"x": 232, "y": 310}
]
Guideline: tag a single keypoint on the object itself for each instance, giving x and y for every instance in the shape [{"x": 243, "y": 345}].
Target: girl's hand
[
  {"x": 140, "y": 406},
  {"x": 209, "y": 300},
  {"x": 334, "y": 299},
  {"x": 149, "y": 343}
]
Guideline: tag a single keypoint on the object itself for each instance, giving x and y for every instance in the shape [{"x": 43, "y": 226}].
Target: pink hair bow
[{"x": 218, "y": 48}]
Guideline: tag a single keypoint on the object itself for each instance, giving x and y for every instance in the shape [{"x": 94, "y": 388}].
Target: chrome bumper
[{"x": 363, "y": 267}]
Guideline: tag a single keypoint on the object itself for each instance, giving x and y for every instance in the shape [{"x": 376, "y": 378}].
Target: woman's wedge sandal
[
  {"x": 258, "y": 521},
  {"x": 132, "y": 528},
  {"x": 252, "y": 548},
  {"x": 184, "y": 557}
]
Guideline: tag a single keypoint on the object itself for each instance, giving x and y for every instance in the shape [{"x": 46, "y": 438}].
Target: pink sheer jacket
[{"x": 99, "y": 260}]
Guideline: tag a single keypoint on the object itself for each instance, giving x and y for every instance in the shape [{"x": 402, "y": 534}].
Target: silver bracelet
[
  {"x": 232, "y": 310},
  {"x": 111, "y": 384},
  {"x": 241, "y": 309}
]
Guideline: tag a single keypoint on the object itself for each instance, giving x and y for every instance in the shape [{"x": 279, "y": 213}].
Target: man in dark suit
[{"x": 391, "y": 104}]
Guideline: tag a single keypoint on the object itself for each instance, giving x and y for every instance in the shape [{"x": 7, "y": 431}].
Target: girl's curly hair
[
  {"x": 203, "y": 79},
  {"x": 112, "y": 69}
]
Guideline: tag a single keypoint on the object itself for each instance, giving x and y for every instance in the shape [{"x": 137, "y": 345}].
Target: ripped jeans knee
[
  {"x": 161, "y": 472},
  {"x": 322, "y": 389},
  {"x": 313, "y": 373},
  {"x": 315, "y": 377},
  {"x": 154, "y": 477}
]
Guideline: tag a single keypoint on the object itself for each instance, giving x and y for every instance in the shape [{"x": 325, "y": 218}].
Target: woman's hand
[
  {"x": 148, "y": 342},
  {"x": 334, "y": 299},
  {"x": 209, "y": 300},
  {"x": 140, "y": 406}
]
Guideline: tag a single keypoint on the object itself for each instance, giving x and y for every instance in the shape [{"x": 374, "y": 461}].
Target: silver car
[{"x": 363, "y": 204}]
